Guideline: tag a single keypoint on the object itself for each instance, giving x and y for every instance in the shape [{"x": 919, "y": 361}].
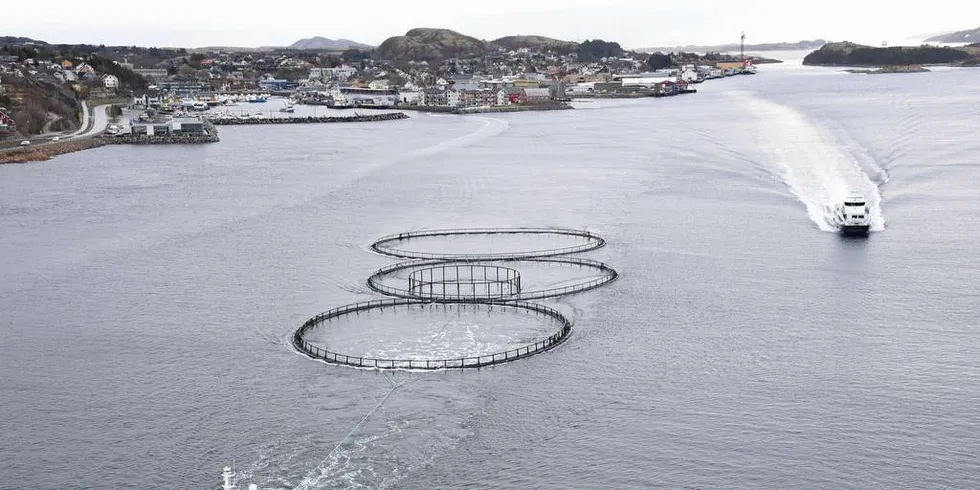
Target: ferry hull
[{"x": 855, "y": 230}]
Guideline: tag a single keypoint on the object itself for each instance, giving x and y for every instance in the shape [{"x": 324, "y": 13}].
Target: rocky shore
[
  {"x": 310, "y": 119},
  {"x": 890, "y": 69},
  {"x": 169, "y": 139},
  {"x": 46, "y": 152}
]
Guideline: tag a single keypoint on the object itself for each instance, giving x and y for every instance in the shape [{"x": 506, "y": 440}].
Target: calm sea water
[{"x": 148, "y": 295}]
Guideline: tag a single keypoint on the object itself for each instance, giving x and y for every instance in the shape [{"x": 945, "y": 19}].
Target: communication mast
[{"x": 741, "y": 49}]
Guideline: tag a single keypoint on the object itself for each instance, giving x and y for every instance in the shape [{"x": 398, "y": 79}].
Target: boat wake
[
  {"x": 819, "y": 170},
  {"x": 489, "y": 128}
]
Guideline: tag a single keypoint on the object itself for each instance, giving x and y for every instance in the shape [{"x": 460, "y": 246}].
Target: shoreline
[
  {"x": 48, "y": 151},
  {"x": 390, "y": 116},
  {"x": 486, "y": 109}
]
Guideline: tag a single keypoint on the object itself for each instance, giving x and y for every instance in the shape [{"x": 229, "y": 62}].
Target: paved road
[
  {"x": 100, "y": 121},
  {"x": 93, "y": 123}
]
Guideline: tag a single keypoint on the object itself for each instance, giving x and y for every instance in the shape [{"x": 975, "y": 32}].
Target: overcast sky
[{"x": 632, "y": 23}]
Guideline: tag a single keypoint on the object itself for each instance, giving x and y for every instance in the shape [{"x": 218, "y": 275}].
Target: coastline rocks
[
  {"x": 310, "y": 119},
  {"x": 167, "y": 139},
  {"x": 46, "y": 152}
]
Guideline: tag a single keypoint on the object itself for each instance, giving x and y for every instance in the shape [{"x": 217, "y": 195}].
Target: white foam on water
[
  {"x": 820, "y": 170},
  {"x": 490, "y": 127}
]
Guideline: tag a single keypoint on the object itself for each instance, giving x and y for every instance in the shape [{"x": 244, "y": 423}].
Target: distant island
[
  {"x": 785, "y": 46},
  {"x": 852, "y": 54},
  {"x": 967, "y": 36},
  {"x": 318, "y": 42},
  {"x": 889, "y": 69}
]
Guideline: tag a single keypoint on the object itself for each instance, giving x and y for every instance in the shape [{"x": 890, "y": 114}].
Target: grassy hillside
[{"x": 851, "y": 54}]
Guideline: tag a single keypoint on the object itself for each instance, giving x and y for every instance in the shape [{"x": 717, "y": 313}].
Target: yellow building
[
  {"x": 725, "y": 65},
  {"x": 66, "y": 64},
  {"x": 524, "y": 83}
]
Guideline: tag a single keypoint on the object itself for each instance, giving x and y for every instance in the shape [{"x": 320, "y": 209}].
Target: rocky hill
[
  {"x": 38, "y": 106},
  {"x": 425, "y": 44},
  {"x": 318, "y": 42},
  {"x": 533, "y": 42},
  {"x": 19, "y": 40},
  {"x": 967, "y": 36},
  {"x": 851, "y": 54}
]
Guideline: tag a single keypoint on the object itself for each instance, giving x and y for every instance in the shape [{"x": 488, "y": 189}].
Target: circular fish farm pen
[
  {"x": 391, "y": 280},
  {"x": 463, "y": 272},
  {"x": 301, "y": 338},
  {"x": 580, "y": 241},
  {"x": 464, "y": 282}
]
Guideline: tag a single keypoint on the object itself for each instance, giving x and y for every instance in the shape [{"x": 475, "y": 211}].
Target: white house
[
  {"x": 502, "y": 98},
  {"x": 452, "y": 97},
  {"x": 110, "y": 82},
  {"x": 688, "y": 73}
]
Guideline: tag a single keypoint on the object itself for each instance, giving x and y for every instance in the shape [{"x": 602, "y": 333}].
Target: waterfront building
[
  {"x": 411, "y": 97},
  {"x": 534, "y": 95},
  {"x": 341, "y": 73},
  {"x": 175, "y": 126},
  {"x": 276, "y": 84},
  {"x": 365, "y": 97}
]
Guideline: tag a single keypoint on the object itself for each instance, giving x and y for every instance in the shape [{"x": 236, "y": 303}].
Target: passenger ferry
[{"x": 853, "y": 216}]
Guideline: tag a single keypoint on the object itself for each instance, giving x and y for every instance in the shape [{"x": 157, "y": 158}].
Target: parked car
[
  {"x": 25, "y": 143},
  {"x": 56, "y": 138}
]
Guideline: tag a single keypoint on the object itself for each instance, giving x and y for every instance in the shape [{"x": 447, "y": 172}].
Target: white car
[
  {"x": 56, "y": 138},
  {"x": 25, "y": 143}
]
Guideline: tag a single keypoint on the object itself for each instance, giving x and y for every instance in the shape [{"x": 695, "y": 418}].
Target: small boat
[
  {"x": 227, "y": 476},
  {"x": 287, "y": 108},
  {"x": 749, "y": 70},
  {"x": 853, "y": 216}
]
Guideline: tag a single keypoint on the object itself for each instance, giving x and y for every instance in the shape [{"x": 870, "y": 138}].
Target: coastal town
[
  {"x": 511, "y": 74},
  {"x": 57, "y": 98}
]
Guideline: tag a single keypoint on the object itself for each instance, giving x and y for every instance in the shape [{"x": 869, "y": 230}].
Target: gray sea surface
[{"x": 148, "y": 295}]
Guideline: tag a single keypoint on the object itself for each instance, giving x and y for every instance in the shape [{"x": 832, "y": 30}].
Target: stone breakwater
[
  {"x": 46, "y": 152},
  {"x": 168, "y": 139},
  {"x": 310, "y": 119}
]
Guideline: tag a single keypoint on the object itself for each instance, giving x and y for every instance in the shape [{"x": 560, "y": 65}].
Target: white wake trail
[
  {"x": 489, "y": 128},
  {"x": 817, "y": 169}
]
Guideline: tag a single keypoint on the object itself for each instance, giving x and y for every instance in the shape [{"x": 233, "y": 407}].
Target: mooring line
[{"x": 309, "y": 480}]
